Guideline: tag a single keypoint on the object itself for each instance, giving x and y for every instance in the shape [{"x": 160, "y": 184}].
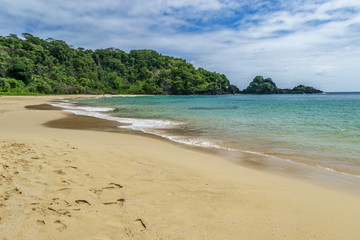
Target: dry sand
[{"x": 60, "y": 183}]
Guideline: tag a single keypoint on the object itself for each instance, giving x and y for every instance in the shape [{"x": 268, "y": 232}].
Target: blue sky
[{"x": 294, "y": 42}]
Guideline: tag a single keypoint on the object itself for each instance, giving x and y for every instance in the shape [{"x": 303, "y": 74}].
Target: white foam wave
[
  {"x": 144, "y": 125},
  {"x": 151, "y": 126},
  {"x": 68, "y": 105},
  {"x": 198, "y": 142}
]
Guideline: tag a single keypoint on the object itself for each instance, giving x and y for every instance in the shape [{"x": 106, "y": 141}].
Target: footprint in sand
[
  {"x": 112, "y": 186},
  {"x": 59, "y": 225},
  {"x": 141, "y": 222},
  {"x": 60, "y": 171},
  {"x": 59, "y": 212},
  {"x": 17, "y": 191},
  {"x": 60, "y": 202},
  {"x": 72, "y": 167},
  {"x": 89, "y": 176},
  {"x": 99, "y": 191},
  {"x": 40, "y": 222},
  {"x": 65, "y": 182},
  {"x": 128, "y": 232},
  {"x": 5, "y": 197},
  {"x": 106, "y": 194},
  {"x": 63, "y": 189},
  {"x": 82, "y": 202},
  {"x": 119, "y": 201},
  {"x": 57, "y": 207},
  {"x": 116, "y": 185}
]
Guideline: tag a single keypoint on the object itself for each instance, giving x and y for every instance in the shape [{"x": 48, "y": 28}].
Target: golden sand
[{"x": 58, "y": 183}]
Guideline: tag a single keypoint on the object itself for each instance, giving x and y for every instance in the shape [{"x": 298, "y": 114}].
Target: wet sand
[{"x": 59, "y": 182}]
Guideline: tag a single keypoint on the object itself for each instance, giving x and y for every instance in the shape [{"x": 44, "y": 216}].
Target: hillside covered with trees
[{"x": 33, "y": 65}]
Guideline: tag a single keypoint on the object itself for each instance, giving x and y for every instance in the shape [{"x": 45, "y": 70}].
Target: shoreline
[
  {"x": 72, "y": 184},
  {"x": 276, "y": 163}
]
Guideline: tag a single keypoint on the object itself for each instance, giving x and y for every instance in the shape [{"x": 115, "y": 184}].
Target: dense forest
[
  {"x": 31, "y": 65},
  {"x": 261, "y": 85}
]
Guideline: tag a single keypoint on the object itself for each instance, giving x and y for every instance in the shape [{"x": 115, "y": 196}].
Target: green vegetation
[
  {"x": 305, "y": 89},
  {"x": 261, "y": 86},
  {"x": 266, "y": 86},
  {"x": 32, "y": 65}
]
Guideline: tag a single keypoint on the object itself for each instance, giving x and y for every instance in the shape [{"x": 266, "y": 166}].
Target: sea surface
[{"x": 322, "y": 130}]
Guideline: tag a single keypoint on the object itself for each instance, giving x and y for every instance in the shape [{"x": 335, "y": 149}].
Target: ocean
[{"x": 322, "y": 130}]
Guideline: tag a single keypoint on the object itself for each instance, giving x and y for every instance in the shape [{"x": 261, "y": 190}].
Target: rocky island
[{"x": 266, "y": 86}]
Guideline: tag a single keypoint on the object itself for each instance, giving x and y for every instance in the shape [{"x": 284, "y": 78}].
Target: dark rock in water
[
  {"x": 266, "y": 86},
  {"x": 212, "y": 108}
]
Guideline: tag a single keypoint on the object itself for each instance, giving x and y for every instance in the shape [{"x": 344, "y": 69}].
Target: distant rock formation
[
  {"x": 266, "y": 86},
  {"x": 305, "y": 89}
]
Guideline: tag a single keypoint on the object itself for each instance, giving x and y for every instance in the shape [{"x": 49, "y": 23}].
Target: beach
[{"x": 76, "y": 177}]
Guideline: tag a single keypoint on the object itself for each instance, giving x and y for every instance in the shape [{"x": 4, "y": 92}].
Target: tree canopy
[{"x": 34, "y": 65}]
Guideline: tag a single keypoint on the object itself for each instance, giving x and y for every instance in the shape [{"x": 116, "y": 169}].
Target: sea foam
[
  {"x": 68, "y": 105},
  {"x": 150, "y": 126},
  {"x": 144, "y": 125}
]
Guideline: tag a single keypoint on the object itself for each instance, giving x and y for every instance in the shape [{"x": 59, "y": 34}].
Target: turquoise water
[{"x": 321, "y": 130}]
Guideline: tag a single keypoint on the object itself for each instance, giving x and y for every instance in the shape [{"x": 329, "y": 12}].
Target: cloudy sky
[{"x": 314, "y": 42}]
